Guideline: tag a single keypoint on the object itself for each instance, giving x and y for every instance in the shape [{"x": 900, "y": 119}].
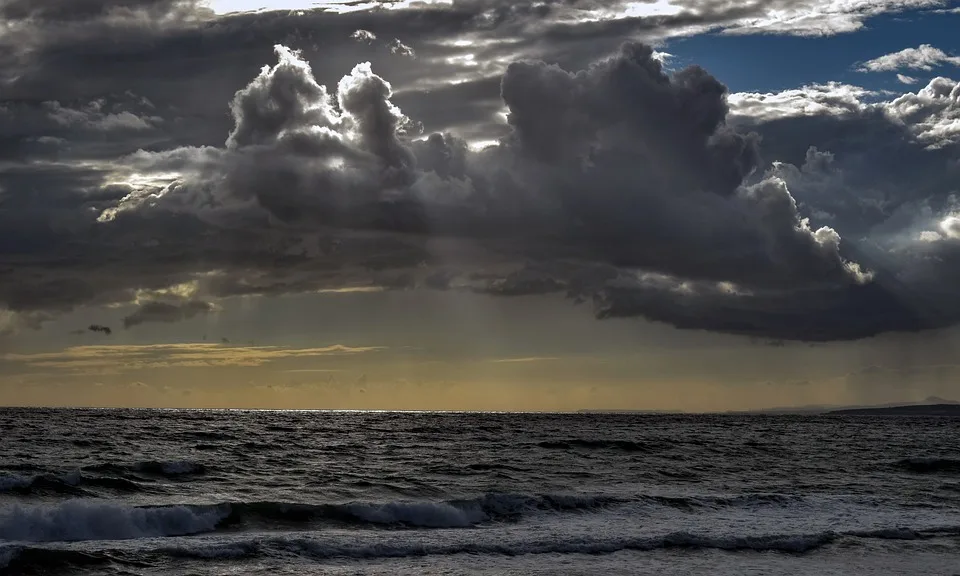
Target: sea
[{"x": 204, "y": 492}]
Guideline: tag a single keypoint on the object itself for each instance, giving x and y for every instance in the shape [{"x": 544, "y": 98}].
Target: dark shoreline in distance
[
  {"x": 933, "y": 406},
  {"x": 910, "y": 410},
  {"x": 945, "y": 409}
]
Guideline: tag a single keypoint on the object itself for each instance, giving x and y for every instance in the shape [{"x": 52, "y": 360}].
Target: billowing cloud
[
  {"x": 831, "y": 99},
  {"x": 884, "y": 173},
  {"x": 347, "y": 166},
  {"x": 932, "y": 113},
  {"x": 363, "y": 36},
  {"x": 562, "y": 187},
  {"x": 651, "y": 194},
  {"x": 398, "y": 47}
]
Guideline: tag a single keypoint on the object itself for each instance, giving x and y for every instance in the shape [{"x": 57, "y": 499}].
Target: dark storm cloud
[
  {"x": 884, "y": 174},
  {"x": 476, "y": 117},
  {"x": 884, "y": 171},
  {"x": 188, "y": 62},
  {"x": 98, "y": 129},
  {"x": 98, "y": 328},
  {"x": 166, "y": 312},
  {"x": 144, "y": 157},
  {"x": 563, "y": 186},
  {"x": 813, "y": 315}
]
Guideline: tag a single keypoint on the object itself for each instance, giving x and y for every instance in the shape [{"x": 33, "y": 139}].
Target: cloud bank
[{"x": 646, "y": 193}]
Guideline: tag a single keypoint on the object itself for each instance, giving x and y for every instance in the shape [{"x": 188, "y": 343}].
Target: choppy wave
[
  {"x": 461, "y": 513},
  {"x": 930, "y": 465},
  {"x": 164, "y": 468},
  {"x": 589, "y": 444},
  {"x": 493, "y": 466},
  {"x": 71, "y": 484},
  {"x": 207, "y": 435},
  {"x": 127, "y": 478},
  {"x": 99, "y": 520},
  {"x": 40, "y": 483},
  {"x": 735, "y": 501},
  {"x": 25, "y": 558},
  {"x": 170, "y": 468},
  {"x": 327, "y": 549}
]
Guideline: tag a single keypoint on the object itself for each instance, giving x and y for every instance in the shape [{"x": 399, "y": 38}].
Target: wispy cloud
[
  {"x": 525, "y": 360},
  {"x": 192, "y": 355},
  {"x": 352, "y": 290},
  {"x": 313, "y": 370}
]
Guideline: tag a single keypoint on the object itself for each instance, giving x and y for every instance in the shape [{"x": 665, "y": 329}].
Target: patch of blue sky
[{"x": 770, "y": 63}]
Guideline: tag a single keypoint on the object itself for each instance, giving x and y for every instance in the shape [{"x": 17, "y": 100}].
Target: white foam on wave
[{"x": 96, "y": 520}]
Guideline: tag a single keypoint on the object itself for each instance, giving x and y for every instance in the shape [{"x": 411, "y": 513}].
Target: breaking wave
[
  {"x": 464, "y": 513},
  {"x": 421, "y": 514},
  {"x": 23, "y": 558},
  {"x": 98, "y": 520}
]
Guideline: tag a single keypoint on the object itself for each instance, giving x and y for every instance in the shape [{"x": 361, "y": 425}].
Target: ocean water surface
[{"x": 143, "y": 492}]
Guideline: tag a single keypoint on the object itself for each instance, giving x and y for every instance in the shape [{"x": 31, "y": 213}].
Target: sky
[{"x": 696, "y": 205}]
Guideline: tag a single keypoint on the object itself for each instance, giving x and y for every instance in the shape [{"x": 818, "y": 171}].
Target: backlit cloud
[
  {"x": 123, "y": 358},
  {"x": 299, "y": 154}
]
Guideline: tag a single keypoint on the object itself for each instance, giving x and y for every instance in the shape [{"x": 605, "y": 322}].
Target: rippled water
[{"x": 239, "y": 492}]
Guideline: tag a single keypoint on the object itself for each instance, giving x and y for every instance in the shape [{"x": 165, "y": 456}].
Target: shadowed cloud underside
[{"x": 171, "y": 166}]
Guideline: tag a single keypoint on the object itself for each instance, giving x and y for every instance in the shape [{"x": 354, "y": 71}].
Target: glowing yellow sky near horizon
[{"x": 449, "y": 350}]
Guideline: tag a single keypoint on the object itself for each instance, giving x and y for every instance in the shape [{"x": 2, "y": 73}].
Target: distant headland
[
  {"x": 908, "y": 410},
  {"x": 932, "y": 406}
]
